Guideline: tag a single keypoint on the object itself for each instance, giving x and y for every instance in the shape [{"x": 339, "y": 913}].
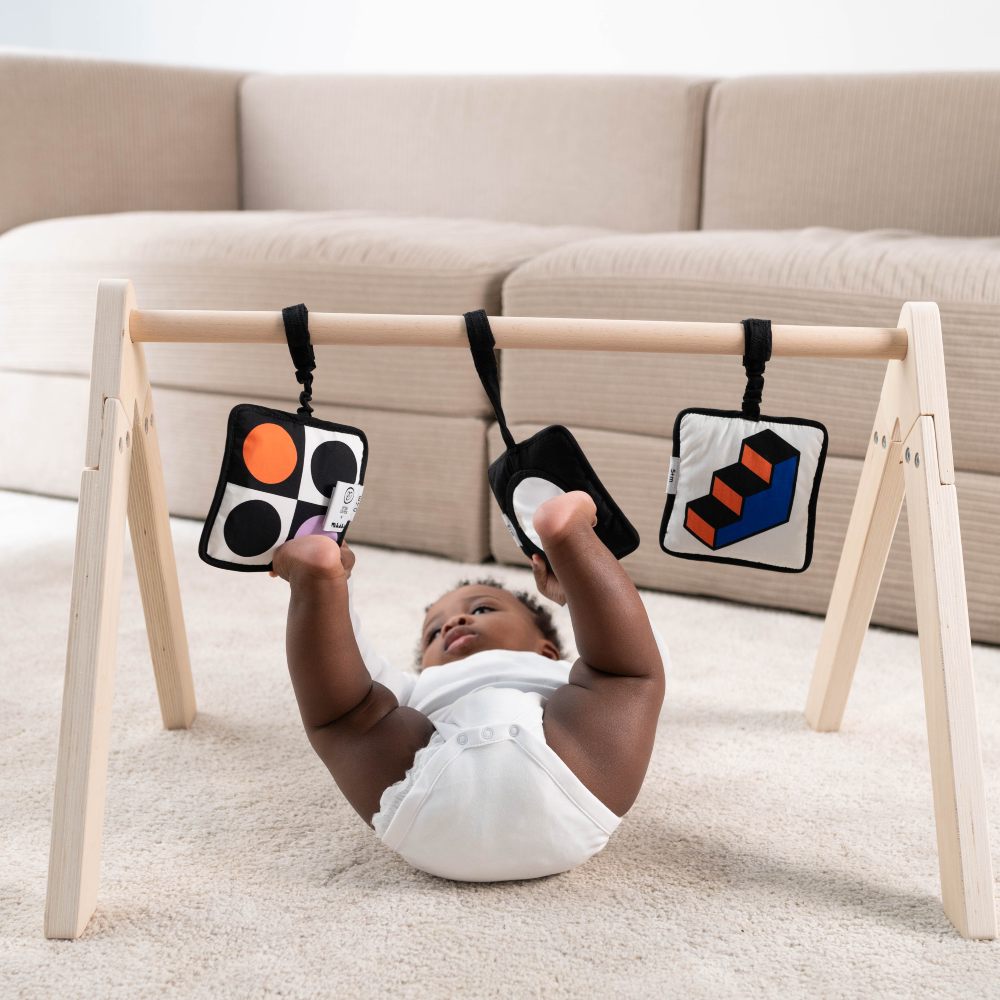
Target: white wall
[{"x": 717, "y": 37}]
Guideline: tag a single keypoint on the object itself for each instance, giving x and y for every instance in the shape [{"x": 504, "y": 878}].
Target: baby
[{"x": 499, "y": 759}]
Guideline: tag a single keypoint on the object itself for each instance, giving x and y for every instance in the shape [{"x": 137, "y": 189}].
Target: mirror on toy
[{"x": 548, "y": 463}]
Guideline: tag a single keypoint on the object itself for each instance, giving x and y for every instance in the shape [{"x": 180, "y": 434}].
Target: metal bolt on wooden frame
[{"x": 123, "y": 479}]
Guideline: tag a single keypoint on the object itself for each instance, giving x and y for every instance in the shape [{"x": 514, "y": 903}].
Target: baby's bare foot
[
  {"x": 311, "y": 556},
  {"x": 562, "y": 514}
]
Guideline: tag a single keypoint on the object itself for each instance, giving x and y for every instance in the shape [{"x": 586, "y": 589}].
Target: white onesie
[{"x": 487, "y": 799}]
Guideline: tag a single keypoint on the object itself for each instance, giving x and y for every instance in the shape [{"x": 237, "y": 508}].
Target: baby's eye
[{"x": 433, "y": 632}]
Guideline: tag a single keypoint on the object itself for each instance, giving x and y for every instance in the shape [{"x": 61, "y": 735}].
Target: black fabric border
[
  {"x": 528, "y": 547},
  {"x": 811, "y": 523},
  {"x": 220, "y": 488}
]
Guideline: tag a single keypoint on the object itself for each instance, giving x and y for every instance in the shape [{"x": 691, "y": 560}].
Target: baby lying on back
[{"x": 499, "y": 759}]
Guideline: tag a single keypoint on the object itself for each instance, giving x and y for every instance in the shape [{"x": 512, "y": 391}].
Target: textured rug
[{"x": 761, "y": 858}]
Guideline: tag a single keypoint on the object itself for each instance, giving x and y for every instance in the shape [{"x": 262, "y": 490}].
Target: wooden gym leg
[
  {"x": 120, "y": 429},
  {"x": 156, "y": 568},
  {"x": 82, "y": 763},
  {"x": 949, "y": 691},
  {"x": 862, "y": 562}
]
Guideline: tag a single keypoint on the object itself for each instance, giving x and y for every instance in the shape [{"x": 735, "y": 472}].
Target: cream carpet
[{"x": 761, "y": 859}]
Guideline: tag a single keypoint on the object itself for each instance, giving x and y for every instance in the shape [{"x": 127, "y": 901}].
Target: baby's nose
[{"x": 456, "y": 620}]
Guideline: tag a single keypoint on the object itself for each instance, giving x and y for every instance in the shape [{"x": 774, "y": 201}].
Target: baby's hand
[
  {"x": 545, "y": 580},
  {"x": 313, "y": 556}
]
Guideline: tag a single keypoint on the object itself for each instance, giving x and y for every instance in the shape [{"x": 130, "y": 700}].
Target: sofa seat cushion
[
  {"x": 343, "y": 261},
  {"x": 810, "y": 277},
  {"x": 634, "y": 469},
  {"x": 404, "y": 460}
]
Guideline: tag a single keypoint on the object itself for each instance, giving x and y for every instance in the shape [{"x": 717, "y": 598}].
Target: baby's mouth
[{"x": 460, "y": 643}]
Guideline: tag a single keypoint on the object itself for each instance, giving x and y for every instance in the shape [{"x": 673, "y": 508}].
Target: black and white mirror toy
[
  {"x": 283, "y": 475},
  {"x": 543, "y": 466},
  {"x": 742, "y": 487}
]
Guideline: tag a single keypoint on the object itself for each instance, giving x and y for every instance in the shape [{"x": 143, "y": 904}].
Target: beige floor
[{"x": 760, "y": 859}]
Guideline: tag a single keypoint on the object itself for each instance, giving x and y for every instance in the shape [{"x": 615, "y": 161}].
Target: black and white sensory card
[{"x": 283, "y": 476}]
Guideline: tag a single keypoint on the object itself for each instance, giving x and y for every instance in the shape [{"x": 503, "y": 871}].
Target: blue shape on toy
[{"x": 765, "y": 510}]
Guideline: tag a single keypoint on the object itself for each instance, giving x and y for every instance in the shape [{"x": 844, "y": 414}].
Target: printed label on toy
[
  {"x": 510, "y": 528},
  {"x": 675, "y": 467},
  {"x": 343, "y": 506}
]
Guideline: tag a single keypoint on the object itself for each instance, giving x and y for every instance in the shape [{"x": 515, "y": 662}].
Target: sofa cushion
[
  {"x": 82, "y": 135},
  {"x": 44, "y": 416},
  {"x": 634, "y": 468},
  {"x": 913, "y": 151},
  {"x": 332, "y": 261},
  {"x": 622, "y": 152},
  {"x": 811, "y": 277}
]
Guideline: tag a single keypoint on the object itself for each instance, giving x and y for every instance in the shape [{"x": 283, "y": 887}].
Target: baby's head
[{"x": 483, "y": 614}]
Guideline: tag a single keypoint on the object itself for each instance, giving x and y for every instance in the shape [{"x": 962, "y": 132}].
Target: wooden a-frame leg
[
  {"x": 949, "y": 690},
  {"x": 82, "y": 762},
  {"x": 122, "y": 475},
  {"x": 866, "y": 548},
  {"x": 149, "y": 523},
  {"x": 914, "y": 408}
]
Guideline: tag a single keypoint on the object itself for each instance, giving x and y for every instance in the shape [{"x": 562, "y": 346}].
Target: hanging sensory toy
[
  {"x": 543, "y": 466},
  {"x": 284, "y": 475},
  {"x": 742, "y": 487}
]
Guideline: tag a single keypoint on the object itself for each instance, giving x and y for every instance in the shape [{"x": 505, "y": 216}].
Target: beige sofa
[{"x": 804, "y": 199}]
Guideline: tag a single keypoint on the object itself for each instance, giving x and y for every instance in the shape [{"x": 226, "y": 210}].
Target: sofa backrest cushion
[
  {"x": 623, "y": 152},
  {"x": 88, "y": 136},
  {"x": 858, "y": 152}
]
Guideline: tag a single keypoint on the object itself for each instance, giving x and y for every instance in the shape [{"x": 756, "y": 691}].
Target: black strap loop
[
  {"x": 757, "y": 351},
  {"x": 481, "y": 341},
  {"x": 296, "y": 320}
]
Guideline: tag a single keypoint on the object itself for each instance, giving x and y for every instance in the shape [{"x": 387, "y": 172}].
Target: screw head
[
  {"x": 916, "y": 459},
  {"x": 883, "y": 440},
  {"x": 128, "y": 439},
  {"x": 119, "y": 444},
  {"x": 875, "y": 438},
  {"x": 907, "y": 454},
  {"x": 145, "y": 425}
]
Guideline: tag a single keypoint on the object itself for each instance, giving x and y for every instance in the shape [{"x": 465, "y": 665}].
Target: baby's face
[{"x": 477, "y": 617}]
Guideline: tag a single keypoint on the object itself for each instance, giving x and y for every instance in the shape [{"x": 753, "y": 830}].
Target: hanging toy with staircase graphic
[{"x": 742, "y": 487}]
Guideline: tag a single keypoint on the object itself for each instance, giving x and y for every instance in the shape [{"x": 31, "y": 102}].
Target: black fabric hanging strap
[
  {"x": 756, "y": 352},
  {"x": 481, "y": 342},
  {"x": 296, "y": 320}
]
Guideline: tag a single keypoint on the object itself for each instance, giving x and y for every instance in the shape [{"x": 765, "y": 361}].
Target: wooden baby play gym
[{"x": 909, "y": 454}]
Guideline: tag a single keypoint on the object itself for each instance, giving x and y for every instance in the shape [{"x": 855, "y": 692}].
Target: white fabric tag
[
  {"x": 510, "y": 528},
  {"x": 675, "y": 467},
  {"x": 343, "y": 506}
]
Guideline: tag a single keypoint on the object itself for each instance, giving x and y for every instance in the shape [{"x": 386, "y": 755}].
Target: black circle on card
[
  {"x": 333, "y": 462},
  {"x": 252, "y": 527}
]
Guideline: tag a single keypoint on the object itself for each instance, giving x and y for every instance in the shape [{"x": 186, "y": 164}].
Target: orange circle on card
[{"x": 269, "y": 453}]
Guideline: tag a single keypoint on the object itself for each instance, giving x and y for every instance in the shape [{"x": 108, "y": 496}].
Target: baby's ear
[{"x": 549, "y": 650}]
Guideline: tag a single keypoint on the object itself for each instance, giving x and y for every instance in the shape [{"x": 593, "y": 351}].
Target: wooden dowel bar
[{"x": 184, "y": 326}]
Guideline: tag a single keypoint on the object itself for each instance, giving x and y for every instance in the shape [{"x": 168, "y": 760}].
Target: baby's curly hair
[{"x": 541, "y": 614}]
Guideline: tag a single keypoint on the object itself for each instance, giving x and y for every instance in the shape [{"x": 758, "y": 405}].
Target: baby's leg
[
  {"x": 603, "y": 722},
  {"x": 355, "y": 725}
]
